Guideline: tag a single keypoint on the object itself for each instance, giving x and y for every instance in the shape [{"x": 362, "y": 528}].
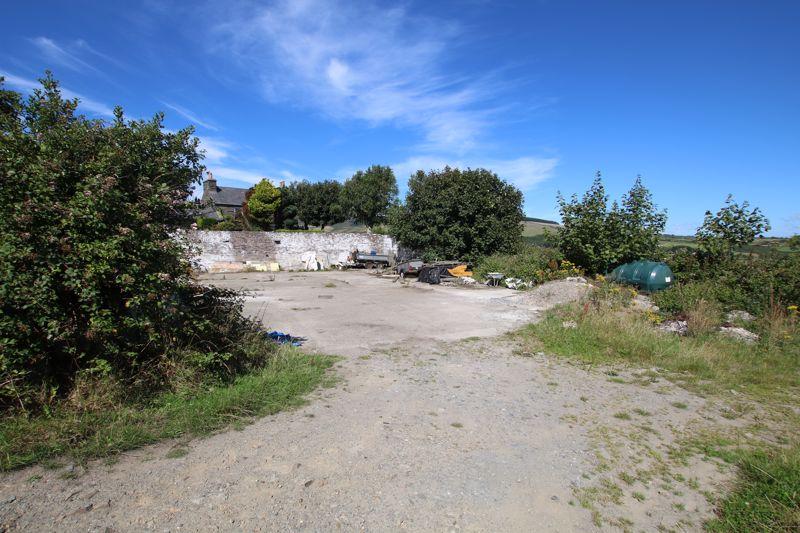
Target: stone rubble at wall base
[{"x": 242, "y": 251}]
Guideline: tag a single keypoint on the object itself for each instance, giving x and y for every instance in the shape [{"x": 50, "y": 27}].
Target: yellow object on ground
[{"x": 460, "y": 271}]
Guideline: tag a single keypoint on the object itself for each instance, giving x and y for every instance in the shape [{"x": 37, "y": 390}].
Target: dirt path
[{"x": 430, "y": 429}]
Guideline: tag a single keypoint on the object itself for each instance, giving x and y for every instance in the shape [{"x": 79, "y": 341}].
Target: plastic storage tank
[{"x": 650, "y": 276}]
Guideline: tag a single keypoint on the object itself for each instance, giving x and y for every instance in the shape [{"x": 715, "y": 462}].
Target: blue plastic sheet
[{"x": 284, "y": 338}]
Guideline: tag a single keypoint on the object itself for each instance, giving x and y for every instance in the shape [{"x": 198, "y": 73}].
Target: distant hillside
[
  {"x": 533, "y": 227},
  {"x": 542, "y": 220},
  {"x": 759, "y": 246}
]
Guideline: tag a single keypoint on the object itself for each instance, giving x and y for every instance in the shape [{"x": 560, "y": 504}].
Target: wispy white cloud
[
  {"x": 87, "y": 104},
  {"x": 59, "y": 55},
  {"x": 524, "y": 172},
  {"x": 222, "y": 172},
  {"x": 224, "y": 159},
  {"x": 365, "y": 62},
  {"x": 81, "y": 46},
  {"x": 216, "y": 150},
  {"x": 190, "y": 116}
]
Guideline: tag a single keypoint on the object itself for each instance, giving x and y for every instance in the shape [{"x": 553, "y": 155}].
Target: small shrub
[
  {"x": 532, "y": 263},
  {"x": 682, "y": 298},
  {"x": 611, "y": 295},
  {"x": 206, "y": 223}
]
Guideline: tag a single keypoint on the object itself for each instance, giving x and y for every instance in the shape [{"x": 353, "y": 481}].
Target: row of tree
[
  {"x": 472, "y": 213},
  {"x": 365, "y": 198},
  {"x": 448, "y": 213}
]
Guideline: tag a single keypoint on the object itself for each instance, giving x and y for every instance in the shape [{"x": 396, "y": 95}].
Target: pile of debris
[
  {"x": 728, "y": 329},
  {"x": 553, "y": 293}
]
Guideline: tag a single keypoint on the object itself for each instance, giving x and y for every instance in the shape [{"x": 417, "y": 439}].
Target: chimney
[{"x": 210, "y": 185}]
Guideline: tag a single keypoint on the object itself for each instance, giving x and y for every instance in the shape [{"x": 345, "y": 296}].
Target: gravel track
[{"x": 430, "y": 429}]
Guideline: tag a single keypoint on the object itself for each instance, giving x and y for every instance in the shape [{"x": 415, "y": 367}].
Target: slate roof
[{"x": 226, "y": 196}]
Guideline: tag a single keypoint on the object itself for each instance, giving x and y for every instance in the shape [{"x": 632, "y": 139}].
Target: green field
[
  {"x": 536, "y": 227},
  {"x": 760, "y": 246}
]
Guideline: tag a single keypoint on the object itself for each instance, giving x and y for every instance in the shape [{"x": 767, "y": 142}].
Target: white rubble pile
[
  {"x": 740, "y": 334},
  {"x": 674, "y": 326},
  {"x": 744, "y": 316},
  {"x": 553, "y": 293}
]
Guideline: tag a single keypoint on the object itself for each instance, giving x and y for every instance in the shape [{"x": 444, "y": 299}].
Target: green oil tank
[{"x": 650, "y": 276}]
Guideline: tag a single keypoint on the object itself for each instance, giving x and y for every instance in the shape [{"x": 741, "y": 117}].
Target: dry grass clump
[{"x": 704, "y": 318}]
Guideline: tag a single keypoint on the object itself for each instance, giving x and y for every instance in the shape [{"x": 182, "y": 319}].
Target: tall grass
[
  {"x": 80, "y": 434},
  {"x": 766, "y": 496},
  {"x": 707, "y": 361}
]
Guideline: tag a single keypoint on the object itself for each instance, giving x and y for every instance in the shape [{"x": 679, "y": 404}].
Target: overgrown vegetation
[
  {"x": 531, "y": 263},
  {"x": 459, "y": 214},
  {"x": 706, "y": 362},
  {"x": 106, "y": 342}
]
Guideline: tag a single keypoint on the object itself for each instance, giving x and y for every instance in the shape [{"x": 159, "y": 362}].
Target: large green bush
[
  {"x": 754, "y": 283},
  {"x": 597, "y": 237},
  {"x": 92, "y": 277},
  {"x": 459, "y": 214}
]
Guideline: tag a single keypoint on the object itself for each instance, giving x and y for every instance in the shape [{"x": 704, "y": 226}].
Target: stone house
[{"x": 220, "y": 201}]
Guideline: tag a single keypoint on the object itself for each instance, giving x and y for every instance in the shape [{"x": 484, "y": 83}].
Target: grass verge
[
  {"x": 707, "y": 364},
  {"x": 282, "y": 384},
  {"x": 767, "y": 495}
]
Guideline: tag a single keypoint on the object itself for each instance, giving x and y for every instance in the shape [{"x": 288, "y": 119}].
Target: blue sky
[{"x": 702, "y": 98}]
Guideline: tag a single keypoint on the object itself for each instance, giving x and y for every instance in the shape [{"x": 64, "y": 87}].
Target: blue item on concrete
[{"x": 284, "y": 338}]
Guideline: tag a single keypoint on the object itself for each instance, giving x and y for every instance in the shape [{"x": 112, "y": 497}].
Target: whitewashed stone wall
[{"x": 228, "y": 251}]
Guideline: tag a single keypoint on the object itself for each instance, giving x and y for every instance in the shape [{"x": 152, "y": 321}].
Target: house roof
[{"x": 226, "y": 196}]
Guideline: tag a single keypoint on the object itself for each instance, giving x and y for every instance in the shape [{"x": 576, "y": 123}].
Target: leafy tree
[
  {"x": 455, "y": 214},
  {"x": 731, "y": 227},
  {"x": 92, "y": 278},
  {"x": 318, "y": 203},
  {"x": 262, "y": 203},
  {"x": 640, "y": 225},
  {"x": 367, "y": 196},
  {"x": 286, "y": 217},
  {"x": 793, "y": 241},
  {"x": 597, "y": 237}
]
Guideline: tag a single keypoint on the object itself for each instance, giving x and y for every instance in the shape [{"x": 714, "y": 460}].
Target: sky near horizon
[{"x": 702, "y": 98}]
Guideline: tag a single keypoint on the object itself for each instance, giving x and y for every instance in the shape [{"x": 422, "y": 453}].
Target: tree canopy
[
  {"x": 455, "y": 214},
  {"x": 732, "y": 226},
  {"x": 262, "y": 204},
  {"x": 367, "y": 196},
  {"x": 597, "y": 237},
  {"x": 319, "y": 203}
]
